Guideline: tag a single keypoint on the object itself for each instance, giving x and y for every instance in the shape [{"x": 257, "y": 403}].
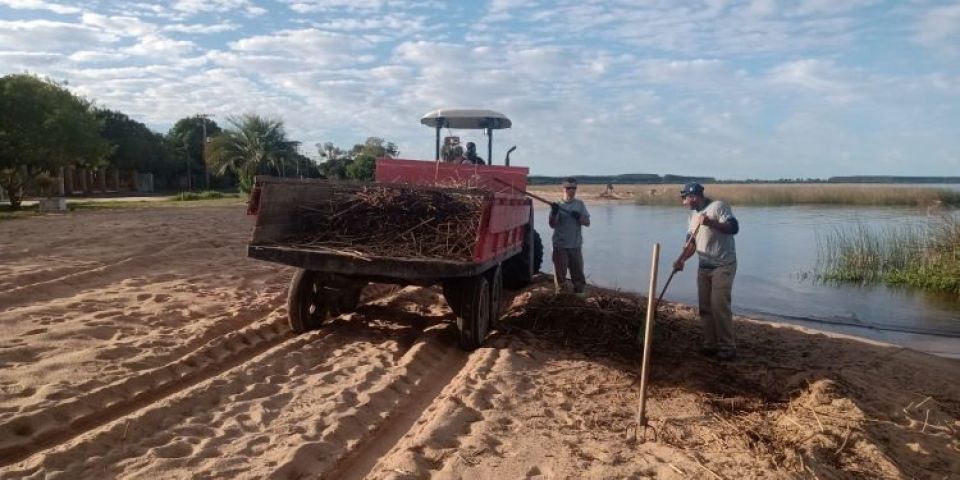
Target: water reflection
[{"x": 776, "y": 247}]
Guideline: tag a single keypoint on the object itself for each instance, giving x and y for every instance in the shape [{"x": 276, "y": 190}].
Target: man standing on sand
[
  {"x": 567, "y": 219},
  {"x": 718, "y": 265}
]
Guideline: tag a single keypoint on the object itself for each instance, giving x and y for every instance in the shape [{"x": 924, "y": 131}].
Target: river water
[{"x": 776, "y": 247}]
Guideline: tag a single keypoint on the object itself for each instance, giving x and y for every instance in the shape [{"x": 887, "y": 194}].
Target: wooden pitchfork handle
[
  {"x": 531, "y": 195},
  {"x": 674, "y": 272}
]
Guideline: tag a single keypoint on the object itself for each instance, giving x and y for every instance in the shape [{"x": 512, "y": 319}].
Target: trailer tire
[
  {"x": 518, "y": 271},
  {"x": 473, "y": 321},
  {"x": 495, "y": 277},
  {"x": 314, "y": 297}
]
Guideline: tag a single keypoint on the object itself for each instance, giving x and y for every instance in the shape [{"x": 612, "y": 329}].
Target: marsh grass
[
  {"x": 205, "y": 195},
  {"x": 924, "y": 256},
  {"x": 786, "y": 194}
]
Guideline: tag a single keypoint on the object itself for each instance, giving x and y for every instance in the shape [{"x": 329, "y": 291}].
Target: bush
[{"x": 207, "y": 195}]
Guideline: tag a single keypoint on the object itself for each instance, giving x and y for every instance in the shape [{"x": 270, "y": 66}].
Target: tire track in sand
[
  {"x": 27, "y": 434},
  {"x": 430, "y": 368}
]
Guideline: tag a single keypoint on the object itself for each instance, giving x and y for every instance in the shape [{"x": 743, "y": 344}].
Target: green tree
[
  {"x": 335, "y": 161},
  {"x": 187, "y": 143},
  {"x": 42, "y": 128},
  {"x": 137, "y": 148},
  {"x": 365, "y": 155},
  {"x": 254, "y": 145},
  {"x": 357, "y": 164}
]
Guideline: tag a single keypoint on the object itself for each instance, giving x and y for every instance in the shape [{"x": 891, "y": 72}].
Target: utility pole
[{"x": 203, "y": 149}]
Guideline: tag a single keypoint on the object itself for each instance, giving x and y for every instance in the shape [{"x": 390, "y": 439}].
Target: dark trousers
[{"x": 569, "y": 259}]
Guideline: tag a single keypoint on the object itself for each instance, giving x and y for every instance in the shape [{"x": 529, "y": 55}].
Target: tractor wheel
[
  {"x": 518, "y": 271},
  {"x": 314, "y": 297},
  {"x": 495, "y": 277},
  {"x": 473, "y": 321}
]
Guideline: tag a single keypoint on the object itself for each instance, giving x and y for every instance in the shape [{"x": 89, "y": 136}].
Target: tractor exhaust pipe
[{"x": 506, "y": 161}]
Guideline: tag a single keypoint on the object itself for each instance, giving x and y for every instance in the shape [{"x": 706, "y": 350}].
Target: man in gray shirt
[
  {"x": 713, "y": 224},
  {"x": 567, "y": 219}
]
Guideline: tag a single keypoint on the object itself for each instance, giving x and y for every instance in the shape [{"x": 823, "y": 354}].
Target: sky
[{"x": 731, "y": 89}]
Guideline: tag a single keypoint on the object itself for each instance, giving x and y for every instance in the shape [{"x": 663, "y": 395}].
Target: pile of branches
[
  {"x": 394, "y": 222},
  {"x": 601, "y": 324}
]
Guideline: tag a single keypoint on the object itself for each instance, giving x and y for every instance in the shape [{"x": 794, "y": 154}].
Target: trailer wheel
[
  {"x": 473, "y": 321},
  {"x": 519, "y": 270},
  {"x": 314, "y": 297},
  {"x": 495, "y": 277},
  {"x": 451, "y": 292}
]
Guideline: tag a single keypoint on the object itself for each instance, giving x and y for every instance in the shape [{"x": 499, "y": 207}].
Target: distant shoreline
[
  {"x": 928, "y": 197},
  {"x": 654, "y": 179}
]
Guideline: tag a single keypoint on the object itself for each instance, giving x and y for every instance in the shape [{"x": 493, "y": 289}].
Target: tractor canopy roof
[{"x": 465, "y": 118}]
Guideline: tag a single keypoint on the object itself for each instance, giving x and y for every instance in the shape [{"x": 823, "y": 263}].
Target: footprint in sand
[
  {"x": 161, "y": 297},
  {"x": 144, "y": 296},
  {"x": 177, "y": 449},
  {"x": 36, "y": 331}
]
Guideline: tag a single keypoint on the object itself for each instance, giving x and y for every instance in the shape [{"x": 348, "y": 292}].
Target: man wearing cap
[
  {"x": 567, "y": 219},
  {"x": 471, "y": 155},
  {"x": 715, "y": 246}
]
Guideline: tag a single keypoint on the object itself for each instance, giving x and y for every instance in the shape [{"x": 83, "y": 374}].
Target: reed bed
[
  {"x": 779, "y": 194},
  {"x": 394, "y": 222},
  {"x": 923, "y": 256}
]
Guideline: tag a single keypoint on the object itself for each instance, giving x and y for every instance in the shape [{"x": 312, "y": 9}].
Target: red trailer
[{"x": 507, "y": 250}]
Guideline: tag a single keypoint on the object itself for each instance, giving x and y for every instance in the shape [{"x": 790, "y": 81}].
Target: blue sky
[{"x": 722, "y": 88}]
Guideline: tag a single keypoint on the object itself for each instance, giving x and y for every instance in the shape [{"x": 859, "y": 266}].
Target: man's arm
[
  {"x": 730, "y": 226},
  {"x": 689, "y": 249}
]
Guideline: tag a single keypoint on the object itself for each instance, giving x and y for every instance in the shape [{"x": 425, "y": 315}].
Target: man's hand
[
  {"x": 575, "y": 215},
  {"x": 554, "y": 208},
  {"x": 678, "y": 265},
  {"x": 704, "y": 220}
]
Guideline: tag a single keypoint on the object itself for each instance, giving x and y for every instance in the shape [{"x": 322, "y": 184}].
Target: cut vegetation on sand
[{"x": 142, "y": 343}]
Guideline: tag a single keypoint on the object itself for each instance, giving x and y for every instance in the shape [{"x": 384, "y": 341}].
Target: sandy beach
[{"x": 142, "y": 343}]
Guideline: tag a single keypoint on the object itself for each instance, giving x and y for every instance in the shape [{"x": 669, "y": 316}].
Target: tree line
[{"x": 45, "y": 129}]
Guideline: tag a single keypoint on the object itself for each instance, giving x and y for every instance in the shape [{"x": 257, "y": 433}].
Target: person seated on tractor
[
  {"x": 471, "y": 156},
  {"x": 452, "y": 151}
]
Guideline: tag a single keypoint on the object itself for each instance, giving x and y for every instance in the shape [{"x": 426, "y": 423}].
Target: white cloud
[
  {"x": 120, "y": 25},
  {"x": 818, "y": 77},
  {"x": 45, "y": 36},
  {"x": 309, "y": 45},
  {"x": 940, "y": 28},
  {"x": 40, "y": 5},
  {"x": 160, "y": 47},
  {"x": 200, "y": 28},
  {"x": 29, "y": 60},
  {"x": 96, "y": 56},
  {"x": 830, "y": 7},
  {"x": 313, "y": 6},
  {"x": 195, "y": 6}
]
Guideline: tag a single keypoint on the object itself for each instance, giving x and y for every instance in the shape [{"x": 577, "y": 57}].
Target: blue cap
[{"x": 691, "y": 189}]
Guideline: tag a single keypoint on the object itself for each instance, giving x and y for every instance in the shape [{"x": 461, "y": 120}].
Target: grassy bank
[
  {"x": 791, "y": 194},
  {"x": 926, "y": 256},
  {"x": 192, "y": 199}
]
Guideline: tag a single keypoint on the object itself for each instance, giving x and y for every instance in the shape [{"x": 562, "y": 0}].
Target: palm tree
[{"x": 255, "y": 145}]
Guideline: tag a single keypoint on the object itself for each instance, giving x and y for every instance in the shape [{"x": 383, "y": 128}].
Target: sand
[{"x": 141, "y": 343}]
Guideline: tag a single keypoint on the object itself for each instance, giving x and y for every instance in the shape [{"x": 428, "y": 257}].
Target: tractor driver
[{"x": 471, "y": 155}]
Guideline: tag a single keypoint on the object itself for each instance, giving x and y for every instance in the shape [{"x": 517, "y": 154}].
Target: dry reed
[{"x": 393, "y": 221}]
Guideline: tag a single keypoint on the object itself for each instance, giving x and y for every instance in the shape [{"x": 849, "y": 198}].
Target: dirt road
[{"x": 141, "y": 343}]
